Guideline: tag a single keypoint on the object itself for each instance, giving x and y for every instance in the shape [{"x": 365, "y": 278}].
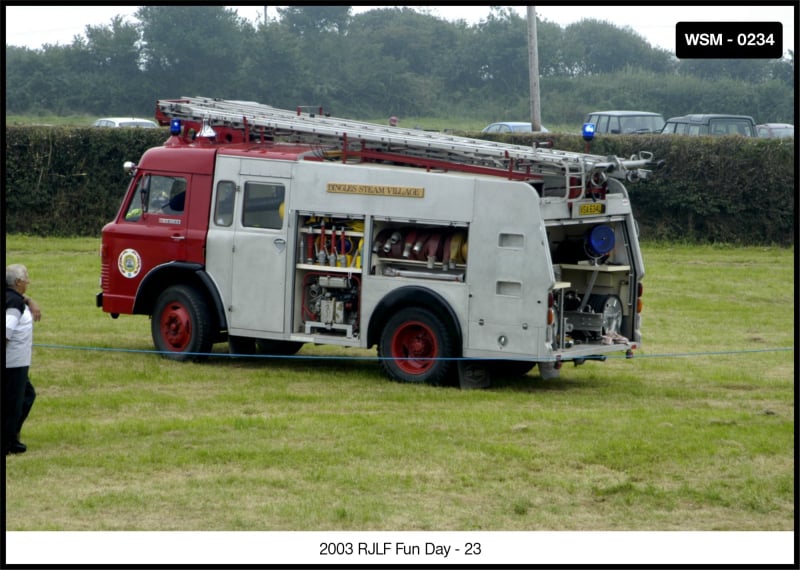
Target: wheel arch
[
  {"x": 179, "y": 273},
  {"x": 413, "y": 296}
]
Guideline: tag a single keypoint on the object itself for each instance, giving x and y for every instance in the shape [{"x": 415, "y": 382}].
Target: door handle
[
  {"x": 280, "y": 244},
  {"x": 178, "y": 237}
]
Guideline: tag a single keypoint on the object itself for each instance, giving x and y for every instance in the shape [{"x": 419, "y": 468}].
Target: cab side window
[
  {"x": 167, "y": 195},
  {"x": 263, "y": 205},
  {"x": 157, "y": 195},
  {"x": 223, "y": 206}
]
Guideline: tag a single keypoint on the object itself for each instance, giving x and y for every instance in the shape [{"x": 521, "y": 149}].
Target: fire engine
[{"x": 456, "y": 257}]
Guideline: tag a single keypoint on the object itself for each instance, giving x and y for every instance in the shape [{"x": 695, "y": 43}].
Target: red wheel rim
[
  {"x": 414, "y": 346},
  {"x": 176, "y": 327}
]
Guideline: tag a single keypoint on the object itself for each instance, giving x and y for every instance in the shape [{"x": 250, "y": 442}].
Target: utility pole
[{"x": 533, "y": 64}]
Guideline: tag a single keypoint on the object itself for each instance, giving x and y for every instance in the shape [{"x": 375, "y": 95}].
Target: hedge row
[{"x": 67, "y": 181}]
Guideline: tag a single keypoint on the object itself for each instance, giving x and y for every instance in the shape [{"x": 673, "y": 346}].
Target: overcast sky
[{"x": 34, "y": 26}]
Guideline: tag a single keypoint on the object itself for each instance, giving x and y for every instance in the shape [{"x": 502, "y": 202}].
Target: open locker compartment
[
  {"x": 420, "y": 250},
  {"x": 327, "y": 288},
  {"x": 593, "y": 267}
]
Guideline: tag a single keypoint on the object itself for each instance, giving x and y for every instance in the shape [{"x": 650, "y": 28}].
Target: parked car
[
  {"x": 711, "y": 124},
  {"x": 625, "y": 122},
  {"x": 125, "y": 122},
  {"x": 510, "y": 127},
  {"x": 775, "y": 130}
]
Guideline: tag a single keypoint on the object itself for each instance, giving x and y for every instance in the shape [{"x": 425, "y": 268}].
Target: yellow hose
[{"x": 457, "y": 248}]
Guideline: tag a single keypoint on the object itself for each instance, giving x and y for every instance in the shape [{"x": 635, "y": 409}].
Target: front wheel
[
  {"x": 415, "y": 346},
  {"x": 181, "y": 324}
]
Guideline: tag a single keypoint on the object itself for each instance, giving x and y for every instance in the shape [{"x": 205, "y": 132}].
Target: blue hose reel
[{"x": 599, "y": 241}]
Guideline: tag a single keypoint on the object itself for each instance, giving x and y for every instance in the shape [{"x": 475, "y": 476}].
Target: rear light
[
  {"x": 551, "y": 313},
  {"x": 639, "y": 302}
]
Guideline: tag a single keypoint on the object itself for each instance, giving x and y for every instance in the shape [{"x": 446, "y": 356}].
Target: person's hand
[{"x": 35, "y": 310}]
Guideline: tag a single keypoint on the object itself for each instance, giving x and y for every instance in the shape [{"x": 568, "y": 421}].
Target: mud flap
[
  {"x": 549, "y": 370},
  {"x": 473, "y": 375}
]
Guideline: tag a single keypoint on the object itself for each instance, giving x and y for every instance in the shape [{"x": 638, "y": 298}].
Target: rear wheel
[
  {"x": 415, "y": 346},
  {"x": 181, "y": 324}
]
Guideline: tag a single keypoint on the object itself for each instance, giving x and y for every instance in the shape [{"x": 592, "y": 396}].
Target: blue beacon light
[
  {"x": 588, "y": 131},
  {"x": 175, "y": 127}
]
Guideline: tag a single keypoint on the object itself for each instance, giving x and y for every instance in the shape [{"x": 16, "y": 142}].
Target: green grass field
[{"x": 694, "y": 433}]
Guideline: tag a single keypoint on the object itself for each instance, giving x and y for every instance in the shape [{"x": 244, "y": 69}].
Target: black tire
[
  {"x": 181, "y": 324},
  {"x": 278, "y": 347},
  {"x": 243, "y": 345},
  {"x": 509, "y": 368},
  {"x": 416, "y": 346}
]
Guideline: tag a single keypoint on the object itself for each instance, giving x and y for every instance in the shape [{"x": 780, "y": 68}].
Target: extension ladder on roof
[{"x": 422, "y": 148}]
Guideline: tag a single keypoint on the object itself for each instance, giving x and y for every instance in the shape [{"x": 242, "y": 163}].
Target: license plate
[{"x": 590, "y": 209}]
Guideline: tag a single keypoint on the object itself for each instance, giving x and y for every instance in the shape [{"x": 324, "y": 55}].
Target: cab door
[
  {"x": 152, "y": 232},
  {"x": 259, "y": 258}
]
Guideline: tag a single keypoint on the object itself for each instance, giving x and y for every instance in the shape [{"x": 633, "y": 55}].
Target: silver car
[
  {"x": 775, "y": 131},
  {"x": 125, "y": 122},
  {"x": 510, "y": 127}
]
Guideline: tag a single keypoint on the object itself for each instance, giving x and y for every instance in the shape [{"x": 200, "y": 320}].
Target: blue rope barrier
[{"x": 378, "y": 358}]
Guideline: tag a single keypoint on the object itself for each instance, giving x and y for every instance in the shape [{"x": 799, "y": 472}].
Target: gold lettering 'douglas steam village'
[{"x": 370, "y": 190}]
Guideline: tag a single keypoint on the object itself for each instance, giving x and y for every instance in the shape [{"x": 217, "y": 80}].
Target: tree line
[{"x": 386, "y": 61}]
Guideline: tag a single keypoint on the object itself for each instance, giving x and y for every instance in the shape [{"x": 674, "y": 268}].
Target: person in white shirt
[{"x": 18, "y": 393}]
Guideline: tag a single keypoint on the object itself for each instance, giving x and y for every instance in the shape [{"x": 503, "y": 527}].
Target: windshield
[
  {"x": 641, "y": 124},
  {"x": 731, "y": 127}
]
